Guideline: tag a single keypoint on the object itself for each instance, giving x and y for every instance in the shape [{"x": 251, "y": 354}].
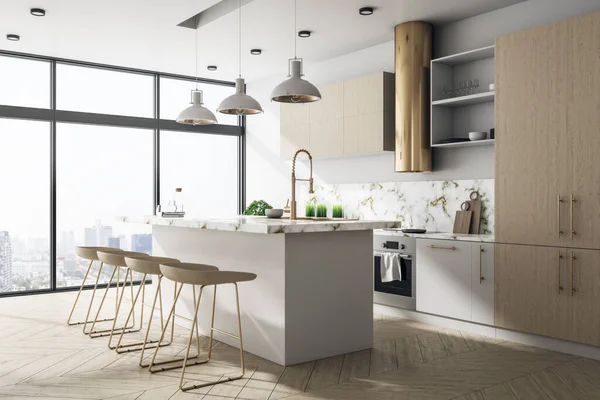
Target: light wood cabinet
[
  {"x": 353, "y": 117},
  {"x": 584, "y": 286},
  {"x": 482, "y": 283},
  {"x": 547, "y": 141},
  {"x": 583, "y": 127},
  {"x": 549, "y": 291},
  {"x": 531, "y": 141},
  {"x": 531, "y": 295}
]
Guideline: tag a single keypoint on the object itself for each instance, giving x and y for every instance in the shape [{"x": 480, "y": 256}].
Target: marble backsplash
[{"x": 425, "y": 204}]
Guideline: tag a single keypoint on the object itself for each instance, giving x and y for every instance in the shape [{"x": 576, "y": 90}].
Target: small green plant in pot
[
  {"x": 257, "y": 207},
  {"x": 321, "y": 211},
  {"x": 310, "y": 209},
  {"x": 337, "y": 211}
]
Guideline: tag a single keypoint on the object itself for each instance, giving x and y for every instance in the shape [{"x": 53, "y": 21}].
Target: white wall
[{"x": 269, "y": 178}]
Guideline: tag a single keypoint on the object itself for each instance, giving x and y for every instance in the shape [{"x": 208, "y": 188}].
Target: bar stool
[
  {"x": 191, "y": 274},
  {"x": 146, "y": 265},
  {"x": 151, "y": 265},
  {"x": 89, "y": 253},
  {"x": 117, "y": 260}
]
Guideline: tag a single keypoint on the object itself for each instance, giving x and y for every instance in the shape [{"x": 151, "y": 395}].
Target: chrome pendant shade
[
  {"x": 197, "y": 114},
  {"x": 240, "y": 103},
  {"x": 295, "y": 89}
]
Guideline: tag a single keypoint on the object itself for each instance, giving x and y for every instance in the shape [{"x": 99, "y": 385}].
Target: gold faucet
[{"x": 309, "y": 180}]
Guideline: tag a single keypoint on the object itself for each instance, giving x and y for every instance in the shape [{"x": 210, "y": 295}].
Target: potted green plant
[
  {"x": 337, "y": 211},
  {"x": 321, "y": 211}
]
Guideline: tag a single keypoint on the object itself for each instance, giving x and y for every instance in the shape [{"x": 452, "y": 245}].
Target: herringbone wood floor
[{"x": 42, "y": 358}]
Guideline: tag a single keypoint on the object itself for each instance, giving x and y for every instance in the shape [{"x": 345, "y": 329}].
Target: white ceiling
[{"x": 144, "y": 33}]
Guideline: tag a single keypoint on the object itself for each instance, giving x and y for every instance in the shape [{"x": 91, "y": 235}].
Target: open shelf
[
  {"x": 485, "y": 142},
  {"x": 465, "y": 100}
]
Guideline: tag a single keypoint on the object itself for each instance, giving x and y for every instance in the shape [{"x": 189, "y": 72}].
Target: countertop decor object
[
  {"x": 258, "y": 208},
  {"x": 337, "y": 211},
  {"x": 475, "y": 206},
  {"x": 462, "y": 221},
  {"x": 321, "y": 211},
  {"x": 274, "y": 213},
  {"x": 477, "y": 136}
]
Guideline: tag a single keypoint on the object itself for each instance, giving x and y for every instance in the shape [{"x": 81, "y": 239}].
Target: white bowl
[
  {"x": 477, "y": 136},
  {"x": 274, "y": 213}
]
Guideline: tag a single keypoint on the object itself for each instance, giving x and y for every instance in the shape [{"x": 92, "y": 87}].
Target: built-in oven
[{"x": 398, "y": 292}]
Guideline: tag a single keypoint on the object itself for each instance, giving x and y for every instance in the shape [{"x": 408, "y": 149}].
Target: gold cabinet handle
[
  {"x": 573, "y": 201},
  {"x": 560, "y": 257},
  {"x": 558, "y": 203},
  {"x": 481, "y": 277},
  {"x": 433, "y": 246},
  {"x": 573, "y": 290}
]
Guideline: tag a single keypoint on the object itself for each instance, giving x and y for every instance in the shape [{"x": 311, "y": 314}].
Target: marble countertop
[
  {"x": 261, "y": 224},
  {"x": 441, "y": 236}
]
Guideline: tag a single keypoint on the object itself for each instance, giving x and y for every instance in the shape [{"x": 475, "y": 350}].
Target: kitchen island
[{"x": 313, "y": 297}]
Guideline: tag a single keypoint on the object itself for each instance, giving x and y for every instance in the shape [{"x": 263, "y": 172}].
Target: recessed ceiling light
[
  {"x": 13, "y": 37},
  {"x": 304, "y": 34},
  {"x": 211, "y": 67},
  {"x": 256, "y": 52},
  {"x": 366, "y": 11},
  {"x": 38, "y": 12}
]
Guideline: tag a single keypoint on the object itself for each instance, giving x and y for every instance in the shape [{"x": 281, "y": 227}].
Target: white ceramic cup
[{"x": 492, "y": 87}]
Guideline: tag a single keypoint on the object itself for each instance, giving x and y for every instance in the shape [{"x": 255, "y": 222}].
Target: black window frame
[{"x": 156, "y": 124}]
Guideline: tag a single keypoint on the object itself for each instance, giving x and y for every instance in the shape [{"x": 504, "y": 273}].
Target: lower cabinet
[
  {"x": 456, "y": 279},
  {"x": 549, "y": 291}
]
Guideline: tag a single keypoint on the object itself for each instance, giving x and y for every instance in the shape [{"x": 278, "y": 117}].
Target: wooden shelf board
[
  {"x": 461, "y": 101},
  {"x": 485, "y": 142}
]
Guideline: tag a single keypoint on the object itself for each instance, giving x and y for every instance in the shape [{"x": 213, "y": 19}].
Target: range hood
[{"x": 413, "y": 48}]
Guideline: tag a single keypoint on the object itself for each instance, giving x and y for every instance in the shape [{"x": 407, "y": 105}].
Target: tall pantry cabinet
[{"x": 548, "y": 180}]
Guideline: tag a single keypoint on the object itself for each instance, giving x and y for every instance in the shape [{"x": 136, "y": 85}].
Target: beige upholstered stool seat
[
  {"x": 148, "y": 264},
  {"x": 117, "y": 258},
  {"x": 89, "y": 253},
  {"x": 203, "y": 275}
]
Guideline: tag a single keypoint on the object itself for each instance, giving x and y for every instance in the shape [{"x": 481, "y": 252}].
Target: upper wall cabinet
[
  {"x": 461, "y": 99},
  {"x": 353, "y": 117}
]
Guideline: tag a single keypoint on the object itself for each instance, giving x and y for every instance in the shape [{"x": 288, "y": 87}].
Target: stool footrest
[
  {"x": 229, "y": 379},
  {"x": 120, "y": 349},
  {"x": 225, "y": 333},
  {"x": 161, "y": 369},
  {"x": 89, "y": 322},
  {"x": 106, "y": 332}
]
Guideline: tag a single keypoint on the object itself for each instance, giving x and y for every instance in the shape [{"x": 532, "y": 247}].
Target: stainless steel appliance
[{"x": 397, "y": 293}]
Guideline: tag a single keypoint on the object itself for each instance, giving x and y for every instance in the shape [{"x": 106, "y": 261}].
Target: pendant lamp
[
  {"x": 240, "y": 103},
  {"x": 295, "y": 89},
  {"x": 196, "y": 113}
]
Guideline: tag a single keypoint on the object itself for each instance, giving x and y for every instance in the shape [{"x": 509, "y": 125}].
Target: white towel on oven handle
[{"x": 390, "y": 267}]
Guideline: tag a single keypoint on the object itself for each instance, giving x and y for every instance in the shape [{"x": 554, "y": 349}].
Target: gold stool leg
[
  {"x": 106, "y": 332},
  {"x": 167, "y": 368},
  {"x": 157, "y": 295},
  {"x": 77, "y": 298},
  {"x": 129, "y": 273},
  {"x": 85, "y": 331},
  {"x": 242, "y": 366}
]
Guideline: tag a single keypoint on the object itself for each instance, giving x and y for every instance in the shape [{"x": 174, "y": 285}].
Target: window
[
  {"x": 24, "y": 82},
  {"x": 175, "y": 96},
  {"x": 103, "y": 91},
  {"x": 101, "y": 173},
  {"x": 24, "y": 205},
  {"x": 205, "y": 167},
  {"x": 67, "y": 176}
]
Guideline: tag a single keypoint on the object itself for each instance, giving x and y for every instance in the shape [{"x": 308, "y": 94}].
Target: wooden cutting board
[
  {"x": 475, "y": 207},
  {"x": 462, "y": 221}
]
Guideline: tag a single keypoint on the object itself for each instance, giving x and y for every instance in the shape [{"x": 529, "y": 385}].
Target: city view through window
[{"x": 101, "y": 172}]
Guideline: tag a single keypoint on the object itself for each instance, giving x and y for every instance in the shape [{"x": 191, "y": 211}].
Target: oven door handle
[{"x": 403, "y": 256}]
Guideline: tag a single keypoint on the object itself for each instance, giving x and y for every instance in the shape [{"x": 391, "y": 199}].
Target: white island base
[{"x": 313, "y": 297}]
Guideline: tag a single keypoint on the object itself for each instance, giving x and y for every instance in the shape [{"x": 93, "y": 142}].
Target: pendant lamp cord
[
  {"x": 240, "y": 41},
  {"x": 196, "y": 50},
  {"x": 295, "y": 28}
]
